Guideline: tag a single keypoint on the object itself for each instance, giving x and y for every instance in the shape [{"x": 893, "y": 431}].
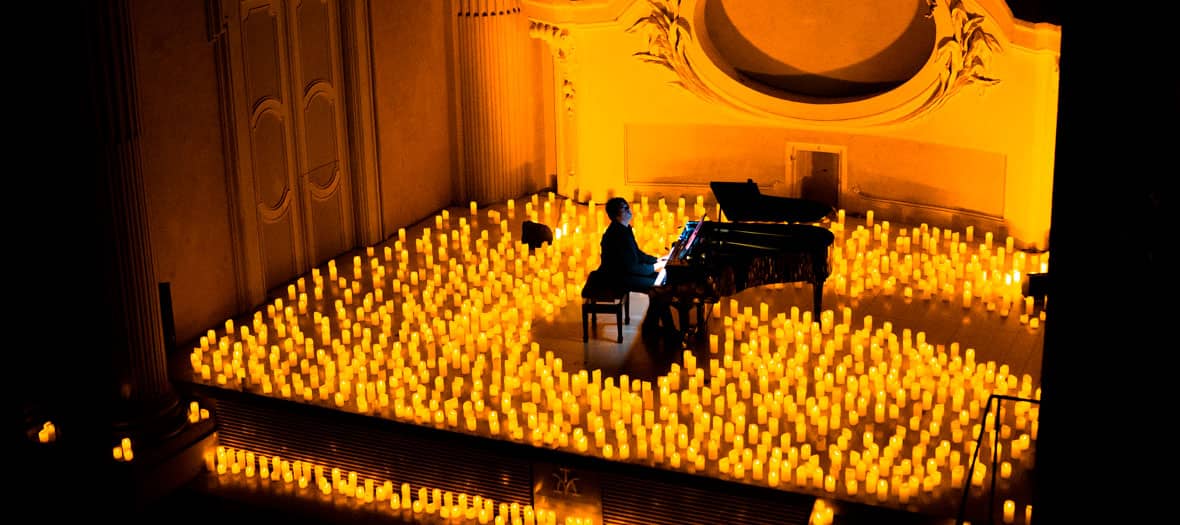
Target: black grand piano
[{"x": 766, "y": 240}]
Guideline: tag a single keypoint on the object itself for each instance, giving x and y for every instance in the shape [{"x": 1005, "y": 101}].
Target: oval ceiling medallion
[
  {"x": 856, "y": 64},
  {"x": 822, "y": 51}
]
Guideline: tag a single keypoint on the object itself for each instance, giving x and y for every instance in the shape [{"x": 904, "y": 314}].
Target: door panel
[
  {"x": 325, "y": 186},
  {"x": 278, "y": 210},
  {"x": 291, "y": 178}
]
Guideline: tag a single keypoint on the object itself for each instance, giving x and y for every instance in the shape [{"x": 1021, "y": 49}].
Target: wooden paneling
[
  {"x": 285, "y": 70},
  {"x": 277, "y": 211},
  {"x": 325, "y": 187}
]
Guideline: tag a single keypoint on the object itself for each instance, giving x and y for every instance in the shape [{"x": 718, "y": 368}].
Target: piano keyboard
[{"x": 682, "y": 245}]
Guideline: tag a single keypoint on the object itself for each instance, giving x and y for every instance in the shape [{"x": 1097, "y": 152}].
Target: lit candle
[{"x": 1009, "y": 511}]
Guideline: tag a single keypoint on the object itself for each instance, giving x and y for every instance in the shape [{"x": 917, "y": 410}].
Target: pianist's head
[{"x": 619, "y": 211}]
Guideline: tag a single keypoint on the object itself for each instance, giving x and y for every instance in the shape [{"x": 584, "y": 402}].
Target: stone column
[
  {"x": 142, "y": 404},
  {"x": 496, "y": 110}
]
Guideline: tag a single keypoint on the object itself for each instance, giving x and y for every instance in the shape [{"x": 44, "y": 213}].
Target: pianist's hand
[{"x": 660, "y": 263}]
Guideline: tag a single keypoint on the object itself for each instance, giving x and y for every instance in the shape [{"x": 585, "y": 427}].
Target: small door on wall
[{"x": 816, "y": 171}]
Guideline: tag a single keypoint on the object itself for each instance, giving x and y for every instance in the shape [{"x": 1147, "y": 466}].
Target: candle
[{"x": 1009, "y": 511}]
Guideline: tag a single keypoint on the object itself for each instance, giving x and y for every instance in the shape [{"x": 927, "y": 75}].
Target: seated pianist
[{"x": 624, "y": 263}]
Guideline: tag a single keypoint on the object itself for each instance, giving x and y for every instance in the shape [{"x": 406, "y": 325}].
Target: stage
[{"x": 451, "y": 357}]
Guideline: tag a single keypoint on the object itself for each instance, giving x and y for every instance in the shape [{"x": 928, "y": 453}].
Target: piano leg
[
  {"x": 684, "y": 310},
  {"x": 692, "y": 331}
]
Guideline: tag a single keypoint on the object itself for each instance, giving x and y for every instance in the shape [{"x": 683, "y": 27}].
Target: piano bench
[{"x": 602, "y": 297}]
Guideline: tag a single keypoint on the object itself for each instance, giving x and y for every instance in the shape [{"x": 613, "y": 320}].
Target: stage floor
[{"x": 932, "y": 349}]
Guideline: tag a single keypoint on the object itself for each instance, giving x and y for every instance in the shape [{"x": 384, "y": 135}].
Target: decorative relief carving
[
  {"x": 668, "y": 38},
  {"x": 561, "y": 46},
  {"x": 930, "y": 6},
  {"x": 963, "y": 55}
]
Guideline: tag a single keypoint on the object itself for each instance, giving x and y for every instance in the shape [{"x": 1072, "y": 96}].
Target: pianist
[{"x": 626, "y": 264}]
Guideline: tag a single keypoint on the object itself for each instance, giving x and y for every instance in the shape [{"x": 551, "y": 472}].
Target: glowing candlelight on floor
[
  {"x": 1009, "y": 511},
  {"x": 47, "y": 433}
]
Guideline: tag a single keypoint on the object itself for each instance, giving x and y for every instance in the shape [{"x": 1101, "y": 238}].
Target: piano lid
[{"x": 743, "y": 202}]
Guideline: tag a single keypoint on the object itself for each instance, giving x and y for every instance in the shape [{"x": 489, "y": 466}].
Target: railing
[{"x": 997, "y": 422}]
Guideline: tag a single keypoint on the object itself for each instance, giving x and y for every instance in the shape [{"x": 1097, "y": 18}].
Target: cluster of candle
[
  {"x": 123, "y": 452},
  {"x": 47, "y": 433},
  {"x": 245, "y": 466},
  {"x": 929, "y": 262},
  {"x": 822, "y": 513},
  {"x": 197, "y": 413},
  {"x": 436, "y": 330}
]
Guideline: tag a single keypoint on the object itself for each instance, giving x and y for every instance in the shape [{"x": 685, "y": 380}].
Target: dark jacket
[{"x": 621, "y": 254}]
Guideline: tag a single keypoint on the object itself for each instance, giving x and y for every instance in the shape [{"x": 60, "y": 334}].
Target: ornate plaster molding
[
  {"x": 561, "y": 46},
  {"x": 962, "y": 57},
  {"x": 669, "y": 36}
]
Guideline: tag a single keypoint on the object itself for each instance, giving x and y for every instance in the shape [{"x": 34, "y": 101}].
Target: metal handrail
[{"x": 991, "y": 504}]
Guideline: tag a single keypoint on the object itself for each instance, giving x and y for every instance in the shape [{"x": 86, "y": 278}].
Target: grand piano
[{"x": 766, "y": 240}]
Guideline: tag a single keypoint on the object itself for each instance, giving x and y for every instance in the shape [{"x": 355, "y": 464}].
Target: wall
[
  {"x": 413, "y": 81},
  {"x": 984, "y": 153},
  {"x": 184, "y": 163},
  {"x": 189, "y": 181}
]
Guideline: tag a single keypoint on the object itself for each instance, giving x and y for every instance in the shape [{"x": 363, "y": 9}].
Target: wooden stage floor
[{"x": 926, "y": 345}]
